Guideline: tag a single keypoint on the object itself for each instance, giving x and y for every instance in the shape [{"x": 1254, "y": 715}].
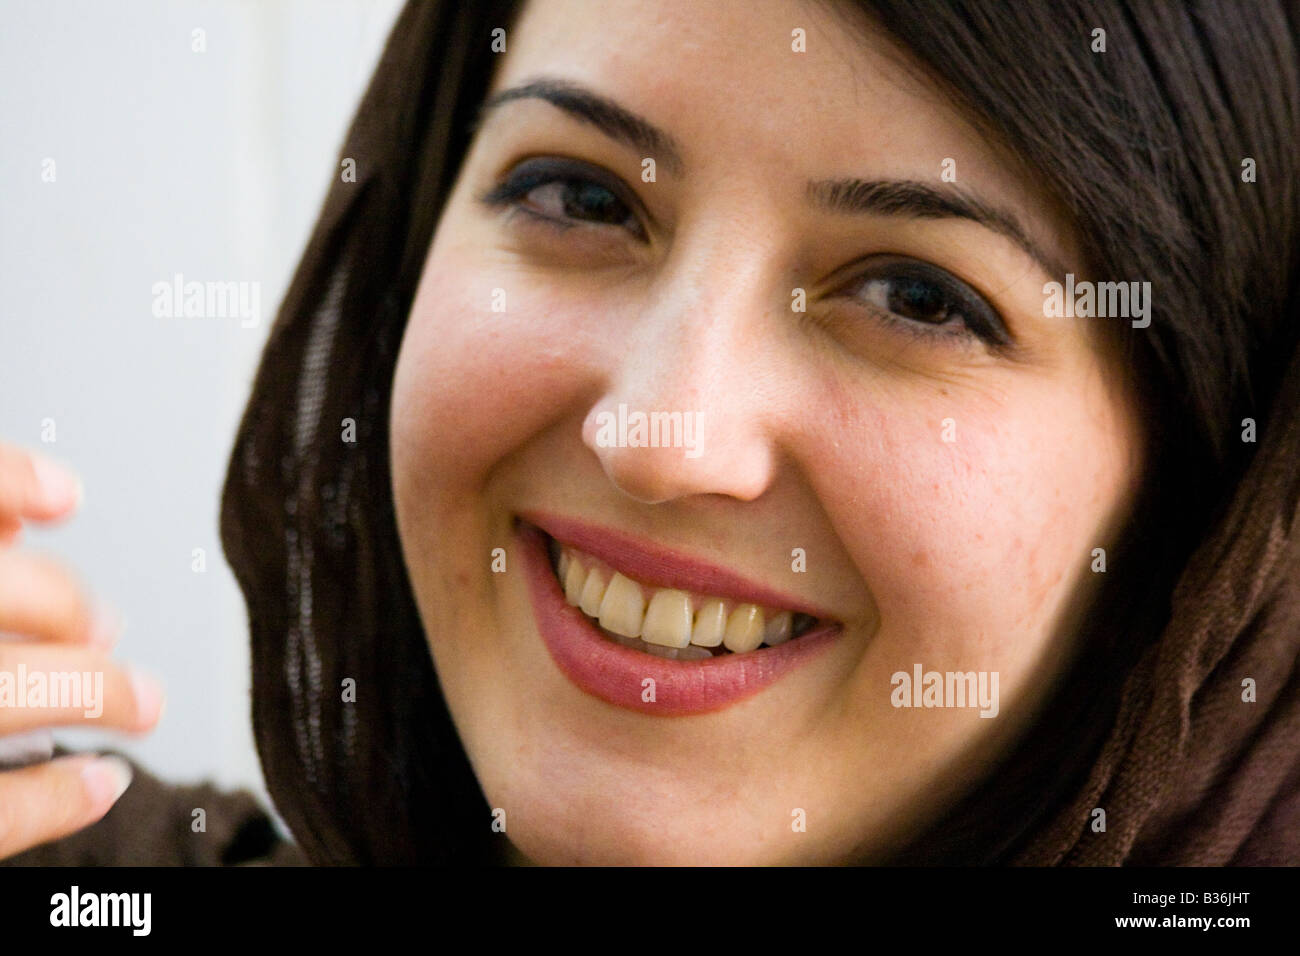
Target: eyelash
[
  {"x": 535, "y": 173},
  {"x": 979, "y": 321}
]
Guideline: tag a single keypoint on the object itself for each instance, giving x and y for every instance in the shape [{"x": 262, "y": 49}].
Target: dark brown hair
[{"x": 1141, "y": 144}]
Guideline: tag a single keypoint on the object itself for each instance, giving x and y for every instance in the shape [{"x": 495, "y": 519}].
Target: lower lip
[{"x": 618, "y": 675}]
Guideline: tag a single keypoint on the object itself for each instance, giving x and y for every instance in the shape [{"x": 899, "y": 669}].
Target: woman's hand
[{"x": 56, "y": 630}]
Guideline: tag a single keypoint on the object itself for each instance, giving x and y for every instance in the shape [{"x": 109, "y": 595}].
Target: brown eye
[
  {"x": 566, "y": 193},
  {"x": 930, "y": 300},
  {"x": 581, "y": 200},
  {"x": 911, "y": 298}
]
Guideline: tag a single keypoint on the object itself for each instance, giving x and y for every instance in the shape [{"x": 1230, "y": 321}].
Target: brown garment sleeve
[{"x": 152, "y": 824}]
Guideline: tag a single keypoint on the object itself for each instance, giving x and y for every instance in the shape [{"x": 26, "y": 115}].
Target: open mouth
[
  {"x": 660, "y": 631},
  {"x": 669, "y": 622}
]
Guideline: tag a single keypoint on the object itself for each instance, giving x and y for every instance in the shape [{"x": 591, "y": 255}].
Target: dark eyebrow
[
  {"x": 601, "y": 112},
  {"x": 901, "y": 197},
  {"x": 883, "y": 197}
]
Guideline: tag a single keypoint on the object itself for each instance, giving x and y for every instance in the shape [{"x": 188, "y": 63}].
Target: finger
[
  {"x": 35, "y": 487},
  {"x": 51, "y": 800},
  {"x": 19, "y": 750},
  {"x": 51, "y": 685},
  {"x": 40, "y": 597}
]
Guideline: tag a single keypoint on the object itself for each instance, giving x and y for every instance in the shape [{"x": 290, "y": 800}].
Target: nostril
[
  {"x": 648, "y": 476},
  {"x": 660, "y": 454}
]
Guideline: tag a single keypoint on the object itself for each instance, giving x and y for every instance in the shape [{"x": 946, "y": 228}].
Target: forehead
[{"x": 723, "y": 80}]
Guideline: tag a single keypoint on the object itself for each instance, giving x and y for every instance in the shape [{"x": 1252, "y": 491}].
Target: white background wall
[{"x": 209, "y": 164}]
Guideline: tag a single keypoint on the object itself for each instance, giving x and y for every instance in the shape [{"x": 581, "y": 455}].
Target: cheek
[
  {"x": 481, "y": 370},
  {"x": 971, "y": 545}
]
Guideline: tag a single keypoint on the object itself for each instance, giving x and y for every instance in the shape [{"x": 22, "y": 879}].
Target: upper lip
[{"x": 654, "y": 565}]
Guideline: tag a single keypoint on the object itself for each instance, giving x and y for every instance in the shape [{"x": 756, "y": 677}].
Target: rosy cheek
[
  {"x": 968, "y": 538},
  {"x": 474, "y": 383}
]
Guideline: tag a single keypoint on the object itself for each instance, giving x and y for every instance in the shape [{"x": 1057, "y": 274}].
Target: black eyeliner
[
  {"x": 991, "y": 329},
  {"x": 543, "y": 170}
]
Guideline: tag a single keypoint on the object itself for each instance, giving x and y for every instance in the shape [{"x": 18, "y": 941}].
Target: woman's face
[{"x": 906, "y": 450}]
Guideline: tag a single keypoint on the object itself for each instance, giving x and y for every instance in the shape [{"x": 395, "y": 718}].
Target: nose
[{"x": 685, "y": 410}]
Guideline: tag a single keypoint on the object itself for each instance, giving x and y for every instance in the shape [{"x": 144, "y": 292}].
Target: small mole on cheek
[{"x": 921, "y": 559}]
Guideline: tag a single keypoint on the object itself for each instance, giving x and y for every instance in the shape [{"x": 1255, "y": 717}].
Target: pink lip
[
  {"x": 656, "y": 566},
  {"x": 617, "y": 674}
]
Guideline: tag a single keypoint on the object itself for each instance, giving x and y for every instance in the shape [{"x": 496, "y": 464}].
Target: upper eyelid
[
  {"x": 861, "y": 269},
  {"x": 952, "y": 284},
  {"x": 912, "y": 198},
  {"x": 629, "y": 193},
  {"x": 581, "y": 169}
]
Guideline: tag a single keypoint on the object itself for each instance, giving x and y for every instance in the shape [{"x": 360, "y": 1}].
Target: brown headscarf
[
  {"x": 1202, "y": 765},
  {"x": 1186, "y": 769}
]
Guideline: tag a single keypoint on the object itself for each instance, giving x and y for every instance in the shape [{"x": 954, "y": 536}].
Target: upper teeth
[{"x": 671, "y": 618}]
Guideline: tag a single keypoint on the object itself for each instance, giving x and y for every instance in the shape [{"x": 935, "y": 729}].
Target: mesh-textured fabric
[
  {"x": 307, "y": 520},
  {"x": 1187, "y": 773},
  {"x": 1193, "y": 773}
]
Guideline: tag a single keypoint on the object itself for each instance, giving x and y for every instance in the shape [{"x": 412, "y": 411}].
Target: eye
[
  {"x": 566, "y": 193},
  {"x": 928, "y": 301}
]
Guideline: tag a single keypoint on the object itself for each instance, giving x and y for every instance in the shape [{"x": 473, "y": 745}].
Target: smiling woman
[
  {"x": 908, "y": 467},
  {"x": 941, "y": 575},
  {"x": 823, "y": 433}
]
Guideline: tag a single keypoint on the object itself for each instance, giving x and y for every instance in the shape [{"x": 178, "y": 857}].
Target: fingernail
[
  {"x": 107, "y": 777},
  {"x": 148, "y": 696},
  {"x": 105, "y": 626},
  {"x": 59, "y": 487}
]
